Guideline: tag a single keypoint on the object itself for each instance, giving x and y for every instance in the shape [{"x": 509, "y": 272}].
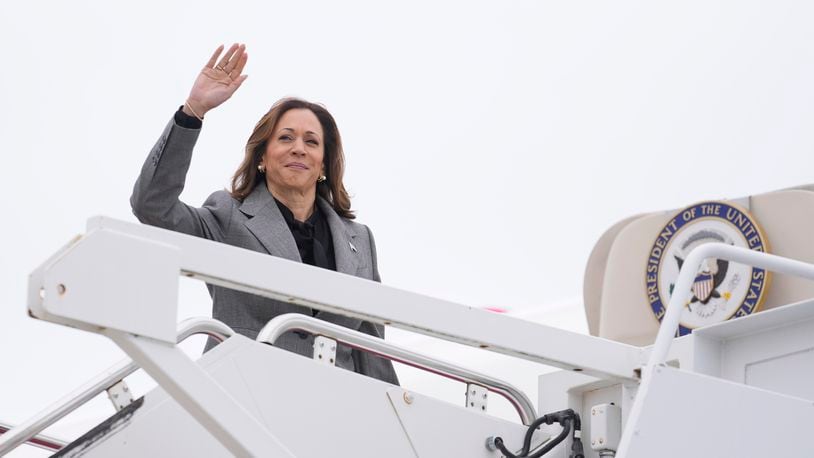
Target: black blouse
[{"x": 313, "y": 237}]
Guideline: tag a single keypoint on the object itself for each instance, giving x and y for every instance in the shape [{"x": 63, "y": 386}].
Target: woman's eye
[
  {"x": 285, "y": 137},
  {"x": 313, "y": 142}
]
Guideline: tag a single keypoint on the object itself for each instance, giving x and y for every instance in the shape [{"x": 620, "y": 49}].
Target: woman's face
[{"x": 293, "y": 157}]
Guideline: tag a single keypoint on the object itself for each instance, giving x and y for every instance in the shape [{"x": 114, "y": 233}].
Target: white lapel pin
[{"x": 352, "y": 248}]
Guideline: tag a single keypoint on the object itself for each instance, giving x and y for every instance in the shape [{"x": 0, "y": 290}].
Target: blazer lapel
[
  {"x": 347, "y": 259},
  {"x": 268, "y": 225},
  {"x": 345, "y": 252}
]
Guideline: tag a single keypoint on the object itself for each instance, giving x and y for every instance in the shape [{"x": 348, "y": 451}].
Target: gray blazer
[{"x": 255, "y": 224}]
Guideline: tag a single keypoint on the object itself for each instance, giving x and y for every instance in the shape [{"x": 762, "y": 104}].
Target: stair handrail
[
  {"x": 281, "y": 324},
  {"x": 683, "y": 286},
  {"x": 26, "y": 431},
  {"x": 42, "y": 441}
]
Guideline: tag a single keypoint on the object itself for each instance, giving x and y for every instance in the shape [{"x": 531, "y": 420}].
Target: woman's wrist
[
  {"x": 186, "y": 121},
  {"x": 192, "y": 108}
]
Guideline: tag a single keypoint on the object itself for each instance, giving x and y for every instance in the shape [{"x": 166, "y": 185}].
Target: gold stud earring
[
  {"x": 321, "y": 178},
  {"x": 261, "y": 169}
]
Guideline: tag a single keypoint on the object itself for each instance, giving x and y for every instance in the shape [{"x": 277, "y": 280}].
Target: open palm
[{"x": 217, "y": 82}]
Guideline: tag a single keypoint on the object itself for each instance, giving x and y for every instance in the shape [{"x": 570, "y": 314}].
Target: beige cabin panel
[
  {"x": 624, "y": 314},
  {"x": 595, "y": 273},
  {"x": 786, "y": 217}
]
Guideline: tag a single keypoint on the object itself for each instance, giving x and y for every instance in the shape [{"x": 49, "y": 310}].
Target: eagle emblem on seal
[{"x": 712, "y": 273}]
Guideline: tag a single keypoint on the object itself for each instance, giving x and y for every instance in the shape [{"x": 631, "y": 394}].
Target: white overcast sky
[{"x": 489, "y": 144}]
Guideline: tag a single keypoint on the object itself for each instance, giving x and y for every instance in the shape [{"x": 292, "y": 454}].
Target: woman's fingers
[
  {"x": 220, "y": 78},
  {"x": 238, "y": 68},
  {"x": 235, "y": 60},
  {"x": 214, "y": 57},
  {"x": 225, "y": 60}
]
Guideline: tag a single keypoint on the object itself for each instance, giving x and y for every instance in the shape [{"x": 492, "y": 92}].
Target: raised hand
[{"x": 217, "y": 82}]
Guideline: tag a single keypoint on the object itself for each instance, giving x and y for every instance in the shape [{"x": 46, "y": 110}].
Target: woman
[{"x": 287, "y": 200}]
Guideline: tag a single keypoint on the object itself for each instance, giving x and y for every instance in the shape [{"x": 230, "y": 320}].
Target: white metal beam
[
  {"x": 293, "y": 282},
  {"x": 33, "y": 426},
  {"x": 201, "y": 396}
]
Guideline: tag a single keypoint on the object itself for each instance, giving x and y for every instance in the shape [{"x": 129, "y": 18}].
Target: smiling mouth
[{"x": 297, "y": 166}]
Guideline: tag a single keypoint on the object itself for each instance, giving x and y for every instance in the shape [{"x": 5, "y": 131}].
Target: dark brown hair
[{"x": 332, "y": 189}]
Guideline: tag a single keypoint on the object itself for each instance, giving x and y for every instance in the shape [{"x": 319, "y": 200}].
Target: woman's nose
[{"x": 298, "y": 148}]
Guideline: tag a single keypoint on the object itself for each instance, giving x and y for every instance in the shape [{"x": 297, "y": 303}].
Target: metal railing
[
  {"x": 42, "y": 441},
  {"x": 683, "y": 286},
  {"x": 364, "y": 342},
  {"x": 29, "y": 430}
]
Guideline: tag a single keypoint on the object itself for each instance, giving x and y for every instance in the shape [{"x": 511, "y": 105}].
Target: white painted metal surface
[
  {"x": 201, "y": 396},
  {"x": 477, "y": 397},
  {"x": 76, "y": 398},
  {"x": 682, "y": 414},
  {"x": 230, "y": 403},
  {"x": 293, "y": 282},
  {"x": 279, "y": 325},
  {"x": 318, "y": 409},
  {"x": 569, "y": 390},
  {"x": 773, "y": 350},
  {"x": 764, "y": 351},
  {"x": 119, "y": 395},
  {"x": 682, "y": 291},
  {"x": 324, "y": 350},
  {"x": 606, "y": 427},
  {"x": 438, "y": 429},
  {"x": 109, "y": 279}
]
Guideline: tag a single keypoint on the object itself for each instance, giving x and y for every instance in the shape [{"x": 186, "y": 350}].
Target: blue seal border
[{"x": 708, "y": 209}]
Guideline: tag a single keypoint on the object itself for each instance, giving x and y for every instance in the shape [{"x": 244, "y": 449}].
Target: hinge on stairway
[
  {"x": 476, "y": 397},
  {"x": 120, "y": 395},
  {"x": 325, "y": 350}
]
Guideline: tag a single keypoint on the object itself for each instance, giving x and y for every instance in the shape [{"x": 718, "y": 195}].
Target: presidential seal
[{"x": 721, "y": 289}]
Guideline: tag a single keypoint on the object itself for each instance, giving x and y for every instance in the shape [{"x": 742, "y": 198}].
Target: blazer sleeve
[
  {"x": 155, "y": 199},
  {"x": 366, "y": 363}
]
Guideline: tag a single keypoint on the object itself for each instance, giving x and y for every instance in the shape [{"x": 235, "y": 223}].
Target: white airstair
[{"x": 740, "y": 388}]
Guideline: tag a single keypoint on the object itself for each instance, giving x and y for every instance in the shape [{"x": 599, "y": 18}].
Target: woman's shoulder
[
  {"x": 358, "y": 229},
  {"x": 223, "y": 198},
  {"x": 352, "y": 226},
  {"x": 222, "y": 204},
  {"x": 221, "y": 207}
]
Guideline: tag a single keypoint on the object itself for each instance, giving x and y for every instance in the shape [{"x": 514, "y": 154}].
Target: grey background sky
[{"x": 502, "y": 137}]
